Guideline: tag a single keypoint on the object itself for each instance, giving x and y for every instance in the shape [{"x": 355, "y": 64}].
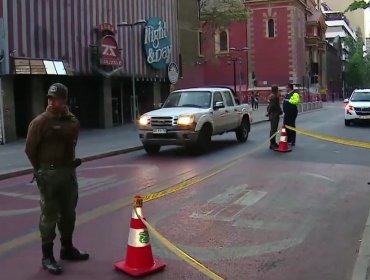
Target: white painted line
[
  {"x": 319, "y": 176},
  {"x": 250, "y": 198},
  {"x": 20, "y": 195},
  {"x": 271, "y": 226},
  {"x": 229, "y": 195}
]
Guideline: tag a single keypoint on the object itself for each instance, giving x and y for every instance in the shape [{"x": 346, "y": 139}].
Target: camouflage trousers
[{"x": 58, "y": 200}]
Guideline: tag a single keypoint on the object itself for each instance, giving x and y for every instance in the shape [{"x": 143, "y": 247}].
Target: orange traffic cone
[
  {"x": 139, "y": 258},
  {"x": 283, "y": 144}
]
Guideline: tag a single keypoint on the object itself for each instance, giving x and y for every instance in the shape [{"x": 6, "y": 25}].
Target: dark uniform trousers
[
  {"x": 58, "y": 200},
  {"x": 274, "y": 123},
  {"x": 289, "y": 119}
]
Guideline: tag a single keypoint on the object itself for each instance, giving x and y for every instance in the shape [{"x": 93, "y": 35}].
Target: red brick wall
[{"x": 271, "y": 55}]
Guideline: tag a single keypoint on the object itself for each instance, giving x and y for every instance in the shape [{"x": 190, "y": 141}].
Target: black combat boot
[
  {"x": 48, "y": 262},
  {"x": 70, "y": 253}
]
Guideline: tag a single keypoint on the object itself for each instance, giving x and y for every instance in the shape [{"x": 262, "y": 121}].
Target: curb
[
  {"x": 362, "y": 264},
  {"x": 28, "y": 171}
]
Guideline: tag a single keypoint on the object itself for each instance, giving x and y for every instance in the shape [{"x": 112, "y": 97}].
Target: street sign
[{"x": 173, "y": 73}]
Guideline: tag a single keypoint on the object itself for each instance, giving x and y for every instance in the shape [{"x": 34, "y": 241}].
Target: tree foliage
[
  {"x": 358, "y": 67},
  {"x": 221, "y": 13},
  {"x": 357, "y": 5}
]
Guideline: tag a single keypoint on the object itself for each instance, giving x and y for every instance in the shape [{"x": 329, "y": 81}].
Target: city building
[
  {"x": 356, "y": 18},
  {"x": 282, "y": 42},
  {"x": 97, "y": 48}
]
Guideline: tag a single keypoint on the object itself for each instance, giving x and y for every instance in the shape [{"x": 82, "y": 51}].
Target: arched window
[
  {"x": 271, "y": 28},
  {"x": 224, "y": 41}
]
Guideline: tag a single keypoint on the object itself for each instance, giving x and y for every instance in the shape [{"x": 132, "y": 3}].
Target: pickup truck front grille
[{"x": 161, "y": 121}]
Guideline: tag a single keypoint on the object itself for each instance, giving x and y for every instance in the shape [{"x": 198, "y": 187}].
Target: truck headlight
[
  {"x": 144, "y": 120},
  {"x": 185, "y": 120}
]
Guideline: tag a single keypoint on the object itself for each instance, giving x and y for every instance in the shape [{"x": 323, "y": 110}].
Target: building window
[
  {"x": 271, "y": 28},
  {"x": 222, "y": 41},
  {"x": 200, "y": 43}
]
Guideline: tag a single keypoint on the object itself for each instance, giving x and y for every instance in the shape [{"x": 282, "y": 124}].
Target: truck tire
[
  {"x": 204, "y": 139},
  {"x": 347, "y": 122},
  {"x": 151, "y": 149},
  {"x": 242, "y": 132}
]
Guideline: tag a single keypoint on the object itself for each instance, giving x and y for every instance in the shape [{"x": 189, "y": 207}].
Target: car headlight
[
  {"x": 349, "y": 107},
  {"x": 185, "y": 120},
  {"x": 144, "y": 120}
]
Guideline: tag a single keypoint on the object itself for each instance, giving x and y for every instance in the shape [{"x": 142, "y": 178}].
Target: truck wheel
[
  {"x": 204, "y": 139},
  {"x": 347, "y": 122},
  {"x": 152, "y": 149},
  {"x": 242, "y": 132}
]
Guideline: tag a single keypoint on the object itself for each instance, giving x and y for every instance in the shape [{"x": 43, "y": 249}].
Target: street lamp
[
  {"x": 234, "y": 60},
  {"x": 132, "y": 64}
]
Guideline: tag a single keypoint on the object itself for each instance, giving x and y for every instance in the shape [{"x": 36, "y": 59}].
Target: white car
[
  {"x": 190, "y": 117},
  {"x": 358, "y": 106}
]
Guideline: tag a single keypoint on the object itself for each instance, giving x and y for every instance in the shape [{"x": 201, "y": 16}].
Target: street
[{"x": 269, "y": 215}]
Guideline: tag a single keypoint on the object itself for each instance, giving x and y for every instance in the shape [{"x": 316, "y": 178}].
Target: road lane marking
[
  {"x": 263, "y": 225},
  {"x": 347, "y": 142},
  {"x": 20, "y": 195},
  {"x": 250, "y": 198},
  {"x": 117, "y": 205},
  {"x": 228, "y": 205}
]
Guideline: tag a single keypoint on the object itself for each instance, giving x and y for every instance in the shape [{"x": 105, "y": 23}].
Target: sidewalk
[{"x": 92, "y": 144}]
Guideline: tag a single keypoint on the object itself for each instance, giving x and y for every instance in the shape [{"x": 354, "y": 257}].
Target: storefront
[{"x": 113, "y": 56}]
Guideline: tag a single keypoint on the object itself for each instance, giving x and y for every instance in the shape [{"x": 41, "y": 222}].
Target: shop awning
[{"x": 27, "y": 66}]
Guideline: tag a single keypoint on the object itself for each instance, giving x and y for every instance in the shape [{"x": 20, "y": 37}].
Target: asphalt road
[{"x": 268, "y": 215}]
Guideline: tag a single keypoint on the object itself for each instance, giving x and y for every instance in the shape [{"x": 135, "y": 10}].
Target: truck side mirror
[
  {"x": 346, "y": 101},
  {"x": 219, "y": 105}
]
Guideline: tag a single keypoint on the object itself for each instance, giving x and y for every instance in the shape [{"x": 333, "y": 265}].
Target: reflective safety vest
[{"x": 291, "y": 101}]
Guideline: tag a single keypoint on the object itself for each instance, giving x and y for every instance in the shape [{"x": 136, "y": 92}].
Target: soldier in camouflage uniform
[{"x": 50, "y": 147}]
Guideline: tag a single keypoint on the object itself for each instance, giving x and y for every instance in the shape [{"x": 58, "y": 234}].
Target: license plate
[
  {"x": 364, "y": 117},
  {"x": 159, "y": 131}
]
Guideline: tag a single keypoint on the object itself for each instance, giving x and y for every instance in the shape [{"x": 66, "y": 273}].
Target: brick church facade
[{"x": 285, "y": 42}]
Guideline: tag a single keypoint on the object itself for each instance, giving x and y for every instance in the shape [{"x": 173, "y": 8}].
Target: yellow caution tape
[
  {"x": 178, "y": 252},
  {"x": 358, "y": 144},
  {"x": 197, "y": 179}
]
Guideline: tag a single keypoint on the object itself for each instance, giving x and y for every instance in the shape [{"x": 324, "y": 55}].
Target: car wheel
[
  {"x": 152, "y": 149},
  {"x": 242, "y": 131},
  {"x": 347, "y": 122},
  {"x": 204, "y": 139}
]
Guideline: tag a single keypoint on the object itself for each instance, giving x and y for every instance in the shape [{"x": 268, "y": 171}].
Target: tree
[
  {"x": 358, "y": 66},
  {"x": 221, "y": 13},
  {"x": 357, "y": 5}
]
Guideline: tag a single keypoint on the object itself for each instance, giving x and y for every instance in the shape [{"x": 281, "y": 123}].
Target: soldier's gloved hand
[{"x": 77, "y": 162}]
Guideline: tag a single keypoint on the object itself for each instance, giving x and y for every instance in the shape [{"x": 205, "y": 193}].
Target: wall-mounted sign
[
  {"x": 173, "y": 73},
  {"x": 109, "y": 53},
  {"x": 41, "y": 67},
  {"x": 157, "y": 43}
]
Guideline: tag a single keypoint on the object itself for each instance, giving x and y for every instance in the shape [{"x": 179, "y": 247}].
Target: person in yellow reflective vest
[{"x": 290, "y": 108}]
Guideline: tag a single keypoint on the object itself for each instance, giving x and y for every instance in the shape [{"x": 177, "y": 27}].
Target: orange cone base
[
  {"x": 283, "y": 150},
  {"x": 157, "y": 266}
]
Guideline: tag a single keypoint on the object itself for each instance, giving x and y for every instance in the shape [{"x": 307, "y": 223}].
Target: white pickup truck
[{"x": 190, "y": 117}]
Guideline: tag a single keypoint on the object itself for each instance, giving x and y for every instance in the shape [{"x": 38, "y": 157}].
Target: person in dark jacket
[
  {"x": 291, "y": 101},
  {"x": 50, "y": 147},
  {"x": 273, "y": 112}
]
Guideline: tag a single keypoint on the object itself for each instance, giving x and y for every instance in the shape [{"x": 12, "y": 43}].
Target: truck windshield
[
  {"x": 360, "y": 96},
  {"x": 197, "y": 99}
]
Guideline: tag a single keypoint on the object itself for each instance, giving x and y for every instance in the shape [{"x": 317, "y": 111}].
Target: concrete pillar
[
  {"x": 7, "y": 91},
  {"x": 156, "y": 94},
  {"x": 105, "y": 110},
  {"x": 38, "y": 96}
]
